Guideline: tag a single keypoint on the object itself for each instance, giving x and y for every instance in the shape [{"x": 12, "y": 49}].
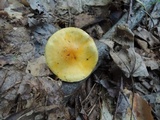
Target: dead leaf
[
  {"x": 139, "y": 87},
  {"x": 97, "y": 2},
  {"x": 105, "y": 114},
  {"x": 95, "y": 31},
  {"x": 153, "y": 98},
  {"x": 141, "y": 109},
  {"x": 154, "y": 19},
  {"x": 3, "y": 4},
  {"x": 3, "y": 61},
  {"x": 157, "y": 110},
  {"x": 12, "y": 78},
  {"x": 18, "y": 35},
  {"x": 83, "y": 19},
  {"x": 123, "y": 103},
  {"x": 124, "y": 54},
  {"x": 40, "y": 36},
  {"x": 147, "y": 36},
  {"x": 108, "y": 42},
  {"x": 143, "y": 44},
  {"x": 124, "y": 36},
  {"x": 38, "y": 67},
  {"x": 26, "y": 47},
  {"x": 151, "y": 63},
  {"x": 42, "y": 5},
  {"x": 60, "y": 113},
  {"x": 74, "y": 5},
  {"x": 24, "y": 2},
  {"x": 130, "y": 62},
  {"x": 12, "y": 10}
]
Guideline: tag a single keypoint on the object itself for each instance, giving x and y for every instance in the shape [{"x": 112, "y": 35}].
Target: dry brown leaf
[
  {"x": 124, "y": 36},
  {"x": 95, "y": 31},
  {"x": 24, "y": 2},
  {"x": 83, "y": 19},
  {"x": 142, "y": 110},
  {"x": 61, "y": 113},
  {"x": 124, "y": 54},
  {"x": 147, "y": 36},
  {"x": 130, "y": 62},
  {"x": 143, "y": 44}
]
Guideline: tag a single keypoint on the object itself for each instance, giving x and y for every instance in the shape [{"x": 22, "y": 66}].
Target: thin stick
[
  {"x": 130, "y": 11},
  {"x": 89, "y": 93},
  {"x": 132, "y": 98}
]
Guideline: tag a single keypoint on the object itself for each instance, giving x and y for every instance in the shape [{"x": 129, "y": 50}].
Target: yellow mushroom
[{"x": 71, "y": 54}]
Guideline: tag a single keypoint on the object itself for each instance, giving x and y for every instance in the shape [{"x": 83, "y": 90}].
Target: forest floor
[{"x": 125, "y": 85}]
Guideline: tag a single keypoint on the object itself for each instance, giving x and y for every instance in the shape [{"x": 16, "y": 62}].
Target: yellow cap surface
[{"x": 71, "y": 54}]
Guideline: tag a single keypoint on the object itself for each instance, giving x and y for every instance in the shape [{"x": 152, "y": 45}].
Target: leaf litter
[{"x": 28, "y": 90}]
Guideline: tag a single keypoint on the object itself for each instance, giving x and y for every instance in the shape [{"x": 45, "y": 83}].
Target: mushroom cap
[{"x": 71, "y": 54}]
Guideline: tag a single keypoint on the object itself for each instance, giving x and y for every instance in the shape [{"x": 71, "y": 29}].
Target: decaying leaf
[
  {"x": 96, "y": 31},
  {"x": 41, "y": 35},
  {"x": 153, "y": 64},
  {"x": 12, "y": 78},
  {"x": 24, "y": 2},
  {"x": 124, "y": 36},
  {"x": 3, "y": 61},
  {"x": 141, "y": 88},
  {"x": 18, "y": 35},
  {"x": 42, "y": 5},
  {"x": 105, "y": 115},
  {"x": 124, "y": 54},
  {"x": 3, "y": 4},
  {"x": 154, "y": 19},
  {"x": 12, "y": 10},
  {"x": 153, "y": 98},
  {"x": 147, "y": 36},
  {"x": 83, "y": 19},
  {"x": 97, "y": 2},
  {"x": 74, "y": 5},
  {"x": 141, "y": 109},
  {"x": 38, "y": 67},
  {"x": 45, "y": 10},
  {"x": 143, "y": 45},
  {"x": 123, "y": 104},
  {"x": 130, "y": 62},
  {"x": 26, "y": 47}
]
